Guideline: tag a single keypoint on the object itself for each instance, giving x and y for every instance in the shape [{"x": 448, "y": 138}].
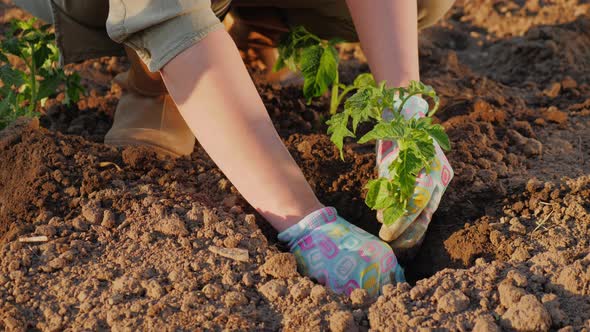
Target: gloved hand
[
  {"x": 341, "y": 255},
  {"x": 408, "y": 231}
]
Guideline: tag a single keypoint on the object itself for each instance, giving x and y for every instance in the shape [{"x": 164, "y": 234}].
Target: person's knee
[
  {"x": 89, "y": 13},
  {"x": 430, "y": 11}
]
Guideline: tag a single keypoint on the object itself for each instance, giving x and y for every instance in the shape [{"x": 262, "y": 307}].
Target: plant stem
[
  {"x": 334, "y": 100},
  {"x": 33, "y": 68}
]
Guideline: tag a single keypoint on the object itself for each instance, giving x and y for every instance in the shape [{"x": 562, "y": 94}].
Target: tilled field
[{"x": 138, "y": 242}]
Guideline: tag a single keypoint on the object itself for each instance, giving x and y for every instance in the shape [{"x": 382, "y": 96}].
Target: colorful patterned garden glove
[
  {"x": 341, "y": 255},
  {"x": 408, "y": 230}
]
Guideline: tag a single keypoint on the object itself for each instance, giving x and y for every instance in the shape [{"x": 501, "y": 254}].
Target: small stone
[
  {"x": 232, "y": 299},
  {"x": 318, "y": 293},
  {"x": 518, "y": 278},
  {"x": 552, "y": 114},
  {"x": 57, "y": 263},
  {"x": 553, "y": 91},
  {"x": 417, "y": 292},
  {"x": 569, "y": 83},
  {"x": 46, "y": 230},
  {"x": 86, "y": 307},
  {"x": 359, "y": 296},
  {"x": 454, "y": 301},
  {"x": 528, "y": 315},
  {"x": 92, "y": 213},
  {"x": 485, "y": 324},
  {"x": 282, "y": 265},
  {"x": 517, "y": 227},
  {"x": 520, "y": 255},
  {"x": 301, "y": 290},
  {"x": 108, "y": 219},
  {"x": 532, "y": 147},
  {"x": 13, "y": 324},
  {"x": 273, "y": 289},
  {"x": 248, "y": 279},
  {"x": 343, "y": 321},
  {"x": 154, "y": 290},
  {"x": 80, "y": 224},
  {"x": 212, "y": 291},
  {"x": 509, "y": 294},
  {"x": 172, "y": 226}
]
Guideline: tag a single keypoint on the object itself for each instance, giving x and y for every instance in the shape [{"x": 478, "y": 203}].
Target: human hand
[
  {"x": 341, "y": 255},
  {"x": 408, "y": 231}
]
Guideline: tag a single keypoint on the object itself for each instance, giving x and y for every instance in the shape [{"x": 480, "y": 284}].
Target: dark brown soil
[{"x": 137, "y": 242}]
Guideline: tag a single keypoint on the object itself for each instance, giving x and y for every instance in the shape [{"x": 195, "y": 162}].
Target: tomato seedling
[
  {"x": 22, "y": 92},
  {"x": 317, "y": 60},
  {"x": 414, "y": 137}
]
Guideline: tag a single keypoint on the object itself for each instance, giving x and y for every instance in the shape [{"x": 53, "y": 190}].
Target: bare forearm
[
  {"x": 219, "y": 101},
  {"x": 388, "y": 32}
]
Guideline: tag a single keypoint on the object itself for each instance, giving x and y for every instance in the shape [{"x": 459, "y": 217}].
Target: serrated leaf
[
  {"x": 437, "y": 132},
  {"x": 319, "y": 67},
  {"x": 379, "y": 195},
  {"x": 11, "y": 77},
  {"x": 338, "y": 130},
  {"x": 290, "y": 47},
  {"x": 393, "y": 213},
  {"x": 48, "y": 86},
  {"x": 73, "y": 89},
  {"x": 364, "y": 80},
  {"x": 41, "y": 55},
  {"x": 363, "y": 106},
  {"x": 421, "y": 144},
  {"x": 383, "y": 130},
  {"x": 405, "y": 169}
]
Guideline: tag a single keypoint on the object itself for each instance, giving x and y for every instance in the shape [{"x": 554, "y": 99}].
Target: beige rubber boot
[{"x": 146, "y": 115}]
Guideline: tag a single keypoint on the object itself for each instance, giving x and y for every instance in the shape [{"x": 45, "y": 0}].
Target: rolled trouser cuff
[{"x": 157, "y": 34}]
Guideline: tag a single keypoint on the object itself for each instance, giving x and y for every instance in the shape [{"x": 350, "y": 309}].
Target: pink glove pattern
[{"x": 341, "y": 255}]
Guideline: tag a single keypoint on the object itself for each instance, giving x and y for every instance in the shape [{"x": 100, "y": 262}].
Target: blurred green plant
[{"x": 24, "y": 91}]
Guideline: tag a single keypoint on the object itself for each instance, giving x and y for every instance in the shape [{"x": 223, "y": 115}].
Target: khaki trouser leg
[{"x": 325, "y": 18}]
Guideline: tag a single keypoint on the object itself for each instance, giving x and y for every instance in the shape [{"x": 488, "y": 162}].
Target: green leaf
[
  {"x": 364, "y": 80},
  {"x": 48, "y": 86},
  {"x": 405, "y": 170},
  {"x": 3, "y": 57},
  {"x": 383, "y": 130},
  {"x": 41, "y": 55},
  {"x": 437, "y": 132},
  {"x": 393, "y": 213},
  {"x": 380, "y": 194},
  {"x": 319, "y": 66},
  {"x": 11, "y": 77},
  {"x": 338, "y": 129},
  {"x": 73, "y": 89},
  {"x": 291, "y": 45},
  {"x": 421, "y": 144},
  {"x": 363, "y": 106}
]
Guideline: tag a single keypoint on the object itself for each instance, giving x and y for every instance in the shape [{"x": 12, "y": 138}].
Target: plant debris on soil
[{"x": 94, "y": 237}]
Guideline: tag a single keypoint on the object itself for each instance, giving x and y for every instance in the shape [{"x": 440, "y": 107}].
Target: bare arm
[
  {"x": 388, "y": 32},
  {"x": 219, "y": 102}
]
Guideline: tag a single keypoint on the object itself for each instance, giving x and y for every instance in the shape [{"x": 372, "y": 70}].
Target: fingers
[
  {"x": 415, "y": 231},
  {"x": 413, "y": 234},
  {"x": 439, "y": 177},
  {"x": 425, "y": 186}
]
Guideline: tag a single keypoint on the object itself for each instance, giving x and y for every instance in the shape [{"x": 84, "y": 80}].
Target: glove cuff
[
  {"x": 312, "y": 221},
  {"x": 415, "y": 107}
]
